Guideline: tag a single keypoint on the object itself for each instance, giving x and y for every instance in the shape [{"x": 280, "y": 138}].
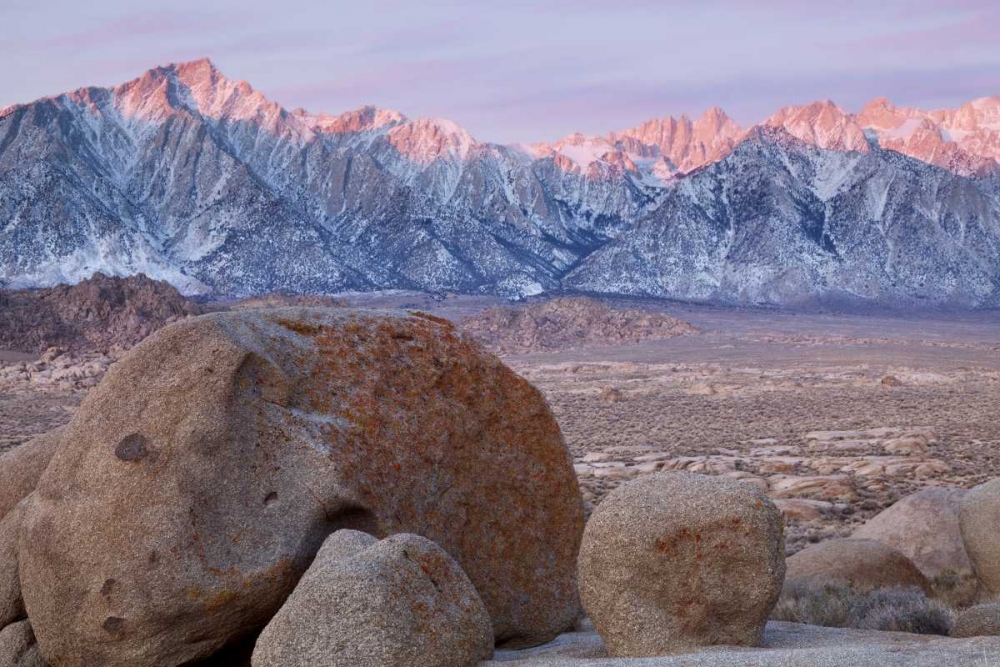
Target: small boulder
[
  {"x": 863, "y": 564},
  {"x": 673, "y": 562},
  {"x": 979, "y": 517},
  {"x": 22, "y": 467},
  {"x": 924, "y": 527},
  {"x": 980, "y": 621},
  {"x": 18, "y": 647},
  {"x": 401, "y": 602}
]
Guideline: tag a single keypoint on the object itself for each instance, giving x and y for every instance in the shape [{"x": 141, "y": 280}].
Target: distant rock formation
[
  {"x": 102, "y": 312},
  {"x": 568, "y": 322}
]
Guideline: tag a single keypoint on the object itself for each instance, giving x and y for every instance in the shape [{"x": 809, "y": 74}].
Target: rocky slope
[
  {"x": 99, "y": 313},
  {"x": 199, "y": 180},
  {"x": 782, "y": 221}
]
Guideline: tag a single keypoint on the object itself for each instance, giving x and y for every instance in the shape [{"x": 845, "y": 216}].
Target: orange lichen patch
[
  {"x": 219, "y": 600},
  {"x": 421, "y": 404},
  {"x": 301, "y": 327}
]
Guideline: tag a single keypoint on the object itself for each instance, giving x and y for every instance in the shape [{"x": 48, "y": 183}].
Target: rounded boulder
[
  {"x": 196, "y": 483},
  {"x": 924, "y": 527},
  {"x": 979, "y": 518},
  {"x": 862, "y": 564},
  {"x": 675, "y": 561},
  {"x": 401, "y": 602}
]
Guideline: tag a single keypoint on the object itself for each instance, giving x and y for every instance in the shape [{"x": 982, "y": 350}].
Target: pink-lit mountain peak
[
  {"x": 965, "y": 140},
  {"x": 822, "y": 124},
  {"x": 366, "y": 119}
]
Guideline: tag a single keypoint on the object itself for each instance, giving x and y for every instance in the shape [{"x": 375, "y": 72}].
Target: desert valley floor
[{"x": 836, "y": 416}]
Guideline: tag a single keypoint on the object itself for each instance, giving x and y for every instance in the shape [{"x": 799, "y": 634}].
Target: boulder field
[
  {"x": 197, "y": 482},
  {"x": 355, "y": 488}
]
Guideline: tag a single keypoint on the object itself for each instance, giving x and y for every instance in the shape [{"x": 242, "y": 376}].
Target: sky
[{"x": 517, "y": 70}]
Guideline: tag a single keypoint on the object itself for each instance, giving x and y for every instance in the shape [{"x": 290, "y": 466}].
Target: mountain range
[{"x": 187, "y": 176}]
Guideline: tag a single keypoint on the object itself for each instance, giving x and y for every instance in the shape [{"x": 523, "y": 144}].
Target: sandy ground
[{"x": 836, "y": 416}]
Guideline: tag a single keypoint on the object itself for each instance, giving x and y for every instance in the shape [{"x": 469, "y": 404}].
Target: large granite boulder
[
  {"x": 22, "y": 467},
  {"x": 924, "y": 527},
  {"x": 401, "y": 602},
  {"x": 672, "y": 562},
  {"x": 863, "y": 564},
  {"x": 196, "y": 483},
  {"x": 979, "y": 519}
]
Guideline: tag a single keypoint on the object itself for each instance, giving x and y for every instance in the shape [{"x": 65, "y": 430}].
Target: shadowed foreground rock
[
  {"x": 11, "y": 602},
  {"x": 198, "y": 480},
  {"x": 401, "y": 602},
  {"x": 18, "y": 647},
  {"x": 673, "y": 562},
  {"x": 924, "y": 527},
  {"x": 864, "y": 564}
]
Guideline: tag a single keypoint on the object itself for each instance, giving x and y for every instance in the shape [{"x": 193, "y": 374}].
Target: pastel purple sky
[{"x": 522, "y": 70}]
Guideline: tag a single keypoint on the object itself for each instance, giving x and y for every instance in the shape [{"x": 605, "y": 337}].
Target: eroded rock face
[
  {"x": 979, "y": 516},
  {"x": 214, "y": 459},
  {"x": 862, "y": 563},
  {"x": 924, "y": 527},
  {"x": 401, "y": 602},
  {"x": 675, "y": 561}
]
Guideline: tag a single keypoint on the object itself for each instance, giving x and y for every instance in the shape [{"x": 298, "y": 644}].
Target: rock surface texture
[
  {"x": 674, "y": 562},
  {"x": 215, "y": 458},
  {"x": 979, "y": 517},
  {"x": 864, "y": 564},
  {"x": 924, "y": 527},
  {"x": 401, "y": 602}
]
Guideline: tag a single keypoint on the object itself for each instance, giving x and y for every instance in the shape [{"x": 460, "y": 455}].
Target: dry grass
[{"x": 838, "y": 605}]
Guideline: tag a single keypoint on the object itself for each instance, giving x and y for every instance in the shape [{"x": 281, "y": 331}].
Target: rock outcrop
[
  {"x": 673, "y": 562},
  {"x": 569, "y": 322},
  {"x": 215, "y": 458},
  {"x": 979, "y": 516},
  {"x": 864, "y": 564},
  {"x": 99, "y": 313},
  {"x": 924, "y": 527},
  {"x": 401, "y": 602}
]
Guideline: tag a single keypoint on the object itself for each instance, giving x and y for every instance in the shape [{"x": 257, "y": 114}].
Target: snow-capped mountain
[
  {"x": 781, "y": 221},
  {"x": 191, "y": 177}
]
